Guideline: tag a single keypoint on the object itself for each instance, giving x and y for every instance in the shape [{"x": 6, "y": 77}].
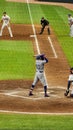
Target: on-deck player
[{"x": 6, "y": 23}]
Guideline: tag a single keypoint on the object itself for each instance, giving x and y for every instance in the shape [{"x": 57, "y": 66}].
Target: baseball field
[{"x": 18, "y": 111}]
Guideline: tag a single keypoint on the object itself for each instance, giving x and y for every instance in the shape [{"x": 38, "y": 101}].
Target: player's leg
[
  {"x": 3, "y": 26},
  {"x": 43, "y": 81},
  {"x": 71, "y": 94},
  {"x": 10, "y": 32},
  {"x": 42, "y": 29},
  {"x": 48, "y": 29},
  {"x": 71, "y": 31},
  {"x": 68, "y": 87},
  {"x": 33, "y": 84}
]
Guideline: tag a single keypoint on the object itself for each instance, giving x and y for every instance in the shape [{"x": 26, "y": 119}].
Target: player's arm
[
  {"x": 71, "y": 22},
  {"x": 9, "y": 19},
  {"x": 46, "y": 59},
  {"x": 1, "y": 20}
]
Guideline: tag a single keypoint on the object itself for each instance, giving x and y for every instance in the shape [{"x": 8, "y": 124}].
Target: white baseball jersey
[
  {"x": 40, "y": 65},
  {"x": 5, "y": 19},
  {"x": 70, "y": 20},
  {"x": 39, "y": 72},
  {"x": 70, "y": 77}
]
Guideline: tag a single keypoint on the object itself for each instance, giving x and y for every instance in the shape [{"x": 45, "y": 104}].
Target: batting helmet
[{"x": 40, "y": 57}]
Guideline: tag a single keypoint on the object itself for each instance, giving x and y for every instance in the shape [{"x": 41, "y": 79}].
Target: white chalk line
[
  {"x": 53, "y": 49},
  {"x": 31, "y": 113},
  {"x": 35, "y": 36},
  {"x": 34, "y": 113},
  {"x": 13, "y": 94}
]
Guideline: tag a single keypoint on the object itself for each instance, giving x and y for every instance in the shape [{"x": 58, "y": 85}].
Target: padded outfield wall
[{"x": 65, "y": 1}]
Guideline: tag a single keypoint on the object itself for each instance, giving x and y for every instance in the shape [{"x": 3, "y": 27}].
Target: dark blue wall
[{"x": 65, "y": 1}]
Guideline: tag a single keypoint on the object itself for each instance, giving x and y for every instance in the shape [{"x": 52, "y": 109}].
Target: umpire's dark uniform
[{"x": 44, "y": 23}]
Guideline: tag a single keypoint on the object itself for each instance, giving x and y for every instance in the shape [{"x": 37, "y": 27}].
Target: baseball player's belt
[{"x": 41, "y": 71}]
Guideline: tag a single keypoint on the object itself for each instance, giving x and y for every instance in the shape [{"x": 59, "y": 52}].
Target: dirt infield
[{"x": 14, "y": 93}]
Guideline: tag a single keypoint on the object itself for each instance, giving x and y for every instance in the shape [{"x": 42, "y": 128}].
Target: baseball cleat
[
  {"x": 30, "y": 94},
  {"x": 66, "y": 93},
  {"x": 40, "y": 33},
  {"x": 46, "y": 95}
]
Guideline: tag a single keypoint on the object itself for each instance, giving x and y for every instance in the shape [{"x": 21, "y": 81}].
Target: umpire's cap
[
  {"x": 4, "y": 12},
  {"x": 69, "y": 15}
]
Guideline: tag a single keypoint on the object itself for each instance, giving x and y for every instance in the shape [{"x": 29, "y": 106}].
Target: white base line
[
  {"x": 34, "y": 113},
  {"x": 54, "y": 52},
  {"x": 36, "y": 40}
]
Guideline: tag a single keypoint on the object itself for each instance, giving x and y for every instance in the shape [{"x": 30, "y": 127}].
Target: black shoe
[
  {"x": 40, "y": 33},
  {"x": 46, "y": 95},
  {"x": 66, "y": 93},
  {"x": 30, "y": 94},
  {"x": 49, "y": 33}
]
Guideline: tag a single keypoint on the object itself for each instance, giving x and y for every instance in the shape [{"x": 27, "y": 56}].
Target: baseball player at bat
[
  {"x": 70, "y": 81},
  {"x": 41, "y": 60},
  {"x": 5, "y": 23},
  {"x": 70, "y": 21}
]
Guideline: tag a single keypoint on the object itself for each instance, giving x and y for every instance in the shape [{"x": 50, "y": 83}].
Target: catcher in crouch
[
  {"x": 40, "y": 61},
  {"x": 70, "y": 81}
]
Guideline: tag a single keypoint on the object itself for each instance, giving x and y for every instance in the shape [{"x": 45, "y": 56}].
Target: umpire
[{"x": 44, "y": 23}]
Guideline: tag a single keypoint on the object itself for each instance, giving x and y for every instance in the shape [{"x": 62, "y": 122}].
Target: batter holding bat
[{"x": 41, "y": 60}]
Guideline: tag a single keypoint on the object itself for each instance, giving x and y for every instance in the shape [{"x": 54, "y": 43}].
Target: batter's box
[{"x": 53, "y": 92}]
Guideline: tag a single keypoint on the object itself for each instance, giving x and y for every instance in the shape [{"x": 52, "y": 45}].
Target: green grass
[
  {"x": 35, "y": 122},
  {"x": 16, "y": 60},
  {"x": 58, "y": 18},
  {"x": 18, "y": 12},
  {"x": 56, "y": 15}
]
